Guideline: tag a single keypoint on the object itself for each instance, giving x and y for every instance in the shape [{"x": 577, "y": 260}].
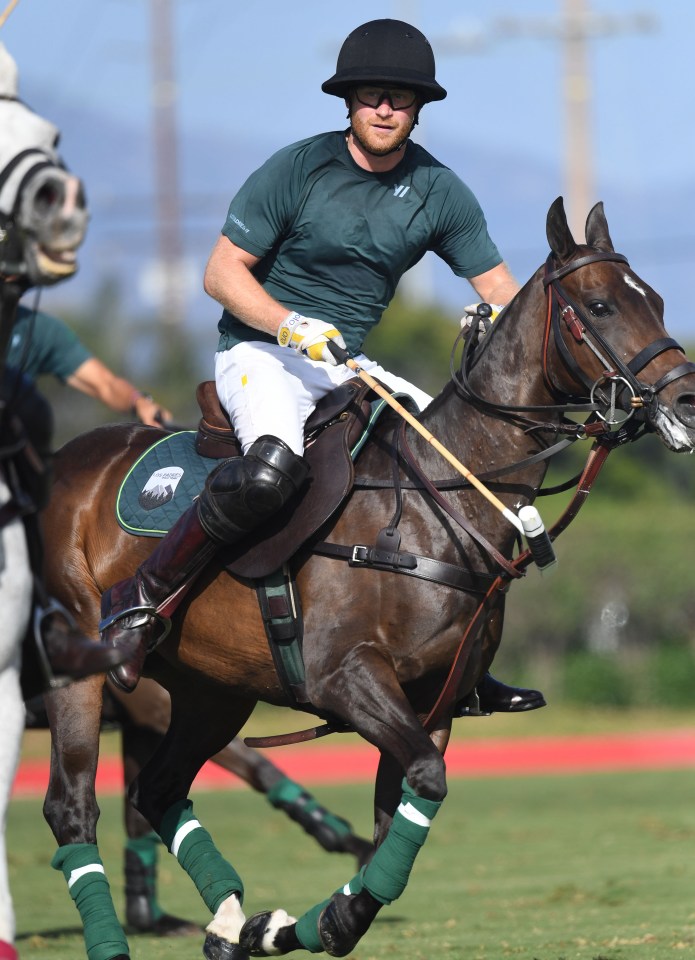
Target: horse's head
[
  {"x": 43, "y": 214},
  {"x": 605, "y": 339}
]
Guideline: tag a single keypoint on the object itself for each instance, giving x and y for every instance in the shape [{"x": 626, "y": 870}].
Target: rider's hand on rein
[{"x": 310, "y": 336}]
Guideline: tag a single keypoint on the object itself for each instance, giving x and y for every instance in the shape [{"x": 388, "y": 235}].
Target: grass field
[{"x": 591, "y": 867}]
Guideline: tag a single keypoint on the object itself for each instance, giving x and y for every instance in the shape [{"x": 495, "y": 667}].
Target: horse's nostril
[
  {"x": 48, "y": 196},
  {"x": 685, "y": 408}
]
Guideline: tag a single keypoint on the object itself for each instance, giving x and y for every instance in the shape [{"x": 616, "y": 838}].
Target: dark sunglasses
[{"x": 398, "y": 98}]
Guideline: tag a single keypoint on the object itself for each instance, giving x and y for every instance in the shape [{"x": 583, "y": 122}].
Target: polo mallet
[{"x": 528, "y": 522}]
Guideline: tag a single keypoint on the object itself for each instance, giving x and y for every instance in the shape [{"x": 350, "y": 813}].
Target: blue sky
[{"x": 251, "y": 73}]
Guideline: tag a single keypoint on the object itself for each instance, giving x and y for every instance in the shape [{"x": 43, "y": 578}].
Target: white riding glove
[
  {"x": 472, "y": 316},
  {"x": 310, "y": 336}
]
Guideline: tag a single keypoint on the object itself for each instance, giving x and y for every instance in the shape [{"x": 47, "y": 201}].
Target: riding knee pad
[{"x": 242, "y": 492}]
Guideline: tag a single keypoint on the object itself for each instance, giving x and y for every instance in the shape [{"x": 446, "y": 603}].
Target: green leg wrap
[
  {"x": 84, "y": 872},
  {"x": 301, "y": 806},
  {"x": 307, "y": 928},
  {"x": 385, "y": 877},
  {"x": 146, "y": 849},
  {"x": 192, "y": 845}
]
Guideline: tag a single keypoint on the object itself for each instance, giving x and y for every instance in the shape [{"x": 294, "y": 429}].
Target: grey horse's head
[{"x": 43, "y": 211}]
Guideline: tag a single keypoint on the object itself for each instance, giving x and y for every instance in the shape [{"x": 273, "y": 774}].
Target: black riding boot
[{"x": 239, "y": 495}]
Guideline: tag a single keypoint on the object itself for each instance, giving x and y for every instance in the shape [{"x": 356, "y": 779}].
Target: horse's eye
[{"x": 600, "y": 310}]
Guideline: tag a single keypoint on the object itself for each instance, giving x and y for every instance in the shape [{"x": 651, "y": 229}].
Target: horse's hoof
[
  {"x": 215, "y": 948},
  {"x": 269, "y": 934},
  {"x": 345, "y": 920}
]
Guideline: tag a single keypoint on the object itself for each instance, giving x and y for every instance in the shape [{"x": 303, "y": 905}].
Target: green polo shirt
[
  {"x": 334, "y": 240},
  {"x": 43, "y": 344}
]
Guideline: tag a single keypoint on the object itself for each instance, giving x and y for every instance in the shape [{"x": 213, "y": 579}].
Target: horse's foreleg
[
  {"x": 143, "y": 911},
  {"x": 202, "y": 722},
  {"x": 380, "y": 712},
  {"x": 71, "y": 810}
]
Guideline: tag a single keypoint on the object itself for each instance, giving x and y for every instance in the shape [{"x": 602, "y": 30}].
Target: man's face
[{"x": 379, "y": 124}]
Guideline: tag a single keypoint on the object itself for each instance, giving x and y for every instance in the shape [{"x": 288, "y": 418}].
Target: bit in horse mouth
[{"x": 63, "y": 262}]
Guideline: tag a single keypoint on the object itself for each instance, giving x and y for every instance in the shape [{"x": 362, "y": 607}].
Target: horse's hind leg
[
  {"x": 202, "y": 721},
  {"x": 330, "y": 831},
  {"x": 71, "y": 810}
]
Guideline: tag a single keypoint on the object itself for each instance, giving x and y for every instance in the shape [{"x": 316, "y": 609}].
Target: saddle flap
[{"x": 331, "y": 478}]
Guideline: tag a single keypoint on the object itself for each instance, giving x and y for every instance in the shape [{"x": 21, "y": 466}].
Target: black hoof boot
[
  {"x": 255, "y": 929},
  {"x": 140, "y": 899},
  {"x": 215, "y": 948},
  {"x": 345, "y": 921}
]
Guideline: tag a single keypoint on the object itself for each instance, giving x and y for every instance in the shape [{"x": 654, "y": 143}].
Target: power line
[{"x": 576, "y": 26}]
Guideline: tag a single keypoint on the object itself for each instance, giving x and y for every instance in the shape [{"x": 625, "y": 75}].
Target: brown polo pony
[{"x": 382, "y": 632}]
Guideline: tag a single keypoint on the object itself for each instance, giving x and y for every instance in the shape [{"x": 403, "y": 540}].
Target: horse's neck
[
  {"x": 509, "y": 371},
  {"x": 510, "y": 367}
]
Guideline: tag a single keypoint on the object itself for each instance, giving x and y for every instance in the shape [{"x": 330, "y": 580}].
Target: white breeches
[{"x": 269, "y": 389}]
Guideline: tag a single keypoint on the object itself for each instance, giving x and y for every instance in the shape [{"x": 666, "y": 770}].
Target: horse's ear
[
  {"x": 597, "y": 234},
  {"x": 558, "y": 232}
]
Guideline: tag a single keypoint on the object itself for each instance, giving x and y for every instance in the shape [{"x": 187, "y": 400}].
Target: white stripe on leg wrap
[
  {"x": 182, "y": 833},
  {"x": 408, "y": 811},
  {"x": 79, "y": 872}
]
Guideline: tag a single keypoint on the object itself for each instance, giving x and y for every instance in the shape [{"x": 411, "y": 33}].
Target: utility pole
[
  {"x": 170, "y": 272},
  {"x": 574, "y": 29}
]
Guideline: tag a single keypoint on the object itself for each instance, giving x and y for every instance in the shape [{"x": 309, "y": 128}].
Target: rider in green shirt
[
  {"x": 43, "y": 345},
  {"x": 311, "y": 251}
]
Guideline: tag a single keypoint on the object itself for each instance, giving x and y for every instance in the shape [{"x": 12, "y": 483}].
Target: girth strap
[
  {"x": 412, "y": 564},
  {"x": 282, "y": 619}
]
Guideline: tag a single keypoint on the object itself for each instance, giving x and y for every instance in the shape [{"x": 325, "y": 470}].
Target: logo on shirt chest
[{"x": 400, "y": 191}]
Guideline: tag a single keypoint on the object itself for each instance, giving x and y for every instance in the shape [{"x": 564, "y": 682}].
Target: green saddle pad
[
  {"x": 162, "y": 484},
  {"x": 170, "y": 474}
]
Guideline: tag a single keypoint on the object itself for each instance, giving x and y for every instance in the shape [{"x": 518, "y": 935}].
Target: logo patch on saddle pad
[
  {"x": 162, "y": 484},
  {"x": 160, "y": 488}
]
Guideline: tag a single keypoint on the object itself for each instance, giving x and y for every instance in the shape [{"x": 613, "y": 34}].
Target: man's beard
[{"x": 387, "y": 148}]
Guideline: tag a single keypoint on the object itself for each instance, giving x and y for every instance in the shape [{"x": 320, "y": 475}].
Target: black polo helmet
[{"x": 389, "y": 52}]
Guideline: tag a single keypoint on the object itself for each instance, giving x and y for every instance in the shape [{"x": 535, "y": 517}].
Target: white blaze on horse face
[
  {"x": 673, "y": 435},
  {"x": 631, "y": 282}
]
